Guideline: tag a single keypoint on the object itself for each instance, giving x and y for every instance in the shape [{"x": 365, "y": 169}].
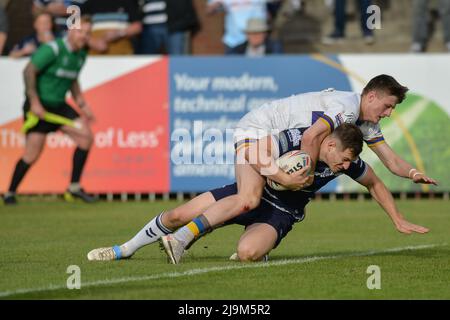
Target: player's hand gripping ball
[{"x": 290, "y": 162}]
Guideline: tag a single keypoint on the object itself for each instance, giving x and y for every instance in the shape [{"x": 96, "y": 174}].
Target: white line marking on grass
[{"x": 194, "y": 272}]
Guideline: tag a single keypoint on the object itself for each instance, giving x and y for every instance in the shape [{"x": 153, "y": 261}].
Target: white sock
[
  {"x": 149, "y": 234},
  {"x": 184, "y": 235}
]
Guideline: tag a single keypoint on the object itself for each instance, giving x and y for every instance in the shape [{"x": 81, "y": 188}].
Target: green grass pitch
[{"x": 324, "y": 257}]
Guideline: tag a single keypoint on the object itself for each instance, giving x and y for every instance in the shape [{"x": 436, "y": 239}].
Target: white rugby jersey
[{"x": 302, "y": 110}]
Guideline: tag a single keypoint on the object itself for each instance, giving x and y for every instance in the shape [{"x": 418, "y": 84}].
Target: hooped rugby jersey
[
  {"x": 301, "y": 111},
  {"x": 294, "y": 202}
]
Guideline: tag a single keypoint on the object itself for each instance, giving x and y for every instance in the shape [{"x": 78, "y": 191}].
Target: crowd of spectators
[
  {"x": 122, "y": 27},
  {"x": 251, "y": 27},
  {"x": 340, "y": 20},
  {"x": 421, "y": 18}
]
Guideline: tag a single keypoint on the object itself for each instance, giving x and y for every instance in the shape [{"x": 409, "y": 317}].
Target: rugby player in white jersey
[
  {"x": 267, "y": 224},
  {"x": 322, "y": 112}
]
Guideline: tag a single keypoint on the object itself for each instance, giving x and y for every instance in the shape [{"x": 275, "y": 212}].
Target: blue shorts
[{"x": 281, "y": 221}]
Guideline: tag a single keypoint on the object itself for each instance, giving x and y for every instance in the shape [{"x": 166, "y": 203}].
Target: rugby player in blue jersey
[{"x": 269, "y": 223}]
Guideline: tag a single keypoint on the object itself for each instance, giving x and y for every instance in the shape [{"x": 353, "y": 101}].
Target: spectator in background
[
  {"x": 237, "y": 12},
  {"x": 3, "y": 29},
  {"x": 258, "y": 43},
  {"x": 420, "y": 24},
  {"x": 154, "y": 36},
  {"x": 115, "y": 23},
  {"x": 273, "y": 7},
  {"x": 43, "y": 26},
  {"x": 286, "y": 10},
  {"x": 183, "y": 23},
  {"x": 57, "y": 9},
  {"x": 168, "y": 26},
  {"x": 340, "y": 20}
]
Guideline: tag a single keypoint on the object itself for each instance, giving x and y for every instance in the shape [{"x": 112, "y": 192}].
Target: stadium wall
[{"x": 163, "y": 124}]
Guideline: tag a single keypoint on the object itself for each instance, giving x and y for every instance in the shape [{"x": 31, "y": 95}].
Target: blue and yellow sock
[{"x": 193, "y": 229}]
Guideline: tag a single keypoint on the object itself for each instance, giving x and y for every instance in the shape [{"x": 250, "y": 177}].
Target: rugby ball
[{"x": 290, "y": 162}]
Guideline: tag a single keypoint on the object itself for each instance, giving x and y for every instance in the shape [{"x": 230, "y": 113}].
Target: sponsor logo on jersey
[
  {"x": 294, "y": 136},
  {"x": 72, "y": 75},
  {"x": 349, "y": 117},
  {"x": 283, "y": 143},
  {"x": 325, "y": 173},
  {"x": 339, "y": 119}
]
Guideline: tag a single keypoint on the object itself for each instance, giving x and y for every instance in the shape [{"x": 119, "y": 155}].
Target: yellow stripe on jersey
[
  {"x": 326, "y": 122},
  {"x": 375, "y": 141},
  {"x": 244, "y": 145},
  {"x": 376, "y": 144}
]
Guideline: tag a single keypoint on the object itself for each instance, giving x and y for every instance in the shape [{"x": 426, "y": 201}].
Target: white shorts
[
  {"x": 255, "y": 125},
  {"x": 248, "y": 133},
  {"x": 245, "y": 137}
]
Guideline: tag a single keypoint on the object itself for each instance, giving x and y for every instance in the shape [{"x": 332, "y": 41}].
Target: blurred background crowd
[{"x": 245, "y": 27}]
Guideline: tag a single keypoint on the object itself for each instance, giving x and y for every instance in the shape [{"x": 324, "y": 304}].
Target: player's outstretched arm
[
  {"x": 400, "y": 167},
  {"x": 383, "y": 196}
]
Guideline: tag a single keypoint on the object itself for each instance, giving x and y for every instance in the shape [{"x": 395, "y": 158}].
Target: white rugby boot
[
  {"x": 173, "y": 248},
  {"x": 105, "y": 254}
]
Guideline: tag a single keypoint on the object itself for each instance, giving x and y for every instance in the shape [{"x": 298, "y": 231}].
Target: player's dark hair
[
  {"x": 388, "y": 84},
  {"x": 350, "y": 137}
]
